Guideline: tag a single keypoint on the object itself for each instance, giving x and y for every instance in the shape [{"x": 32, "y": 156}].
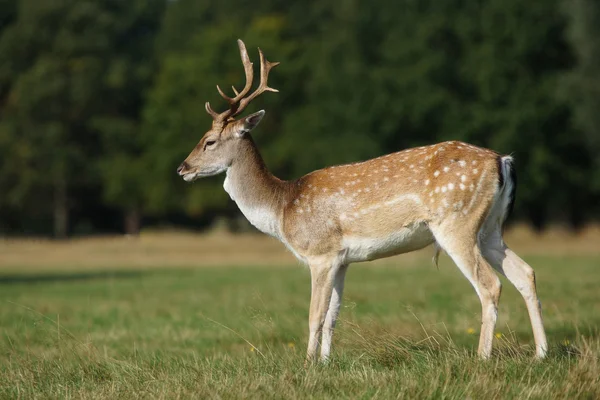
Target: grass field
[{"x": 406, "y": 330}]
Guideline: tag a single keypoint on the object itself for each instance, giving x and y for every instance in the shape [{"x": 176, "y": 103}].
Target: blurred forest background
[{"x": 101, "y": 100}]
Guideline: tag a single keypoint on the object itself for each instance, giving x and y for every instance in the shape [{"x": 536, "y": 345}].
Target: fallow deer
[{"x": 452, "y": 194}]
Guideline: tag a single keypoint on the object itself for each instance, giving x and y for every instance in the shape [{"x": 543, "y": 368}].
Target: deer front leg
[
  {"x": 333, "y": 312},
  {"x": 322, "y": 275}
]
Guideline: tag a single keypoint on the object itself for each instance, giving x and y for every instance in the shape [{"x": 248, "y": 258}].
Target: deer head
[{"x": 218, "y": 148}]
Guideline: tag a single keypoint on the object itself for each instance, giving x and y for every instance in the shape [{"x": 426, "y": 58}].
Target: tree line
[{"x": 100, "y": 100}]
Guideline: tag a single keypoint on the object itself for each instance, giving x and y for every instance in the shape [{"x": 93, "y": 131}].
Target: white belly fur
[{"x": 409, "y": 238}]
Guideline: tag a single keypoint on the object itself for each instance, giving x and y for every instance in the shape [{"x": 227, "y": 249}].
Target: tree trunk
[
  {"x": 61, "y": 208},
  {"x": 133, "y": 221}
]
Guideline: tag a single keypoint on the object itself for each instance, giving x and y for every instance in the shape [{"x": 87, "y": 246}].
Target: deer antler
[{"x": 238, "y": 103}]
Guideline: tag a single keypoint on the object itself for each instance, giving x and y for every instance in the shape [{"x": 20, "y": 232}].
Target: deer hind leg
[
  {"x": 465, "y": 252},
  {"x": 323, "y": 272},
  {"x": 333, "y": 312},
  {"x": 522, "y": 276}
]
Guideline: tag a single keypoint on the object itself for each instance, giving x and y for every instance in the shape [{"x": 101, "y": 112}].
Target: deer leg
[
  {"x": 322, "y": 273},
  {"x": 522, "y": 276},
  {"x": 333, "y": 312},
  {"x": 467, "y": 256}
]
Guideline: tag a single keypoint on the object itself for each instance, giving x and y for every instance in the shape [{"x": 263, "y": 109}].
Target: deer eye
[{"x": 209, "y": 143}]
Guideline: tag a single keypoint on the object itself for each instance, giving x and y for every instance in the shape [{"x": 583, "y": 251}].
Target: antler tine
[
  {"x": 265, "y": 68},
  {"x": 210, "y": 111},
  {"x": 249, "y": 76},
  {"x": 238, "y": 103}
]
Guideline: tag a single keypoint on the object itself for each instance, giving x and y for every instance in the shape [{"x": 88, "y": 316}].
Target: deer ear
[
  {"x": 252, "y": 120},
  {"x": 249, "y": 123}
]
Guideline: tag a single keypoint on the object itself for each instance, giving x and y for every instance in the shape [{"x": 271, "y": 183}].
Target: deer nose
[{"x": 182, "y": 168}]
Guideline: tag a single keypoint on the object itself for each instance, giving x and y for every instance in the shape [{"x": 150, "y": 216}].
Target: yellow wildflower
[
  {"x": 470, "y": 331},
  {"x": 291, "y": 345},
  {"x": 498, "y": 335}
]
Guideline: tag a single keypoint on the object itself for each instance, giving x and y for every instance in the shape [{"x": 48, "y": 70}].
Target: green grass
[{"x": 241, "y": 332}]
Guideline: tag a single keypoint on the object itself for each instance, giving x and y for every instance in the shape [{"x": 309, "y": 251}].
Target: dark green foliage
[
  {"x": 582, "y": 83},
  {"x": 73, "y": 77},
  {"x": 101, "y": 100}
]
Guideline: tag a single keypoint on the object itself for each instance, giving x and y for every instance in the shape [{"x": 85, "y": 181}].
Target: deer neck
[{"x": 259, "y": 195}]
